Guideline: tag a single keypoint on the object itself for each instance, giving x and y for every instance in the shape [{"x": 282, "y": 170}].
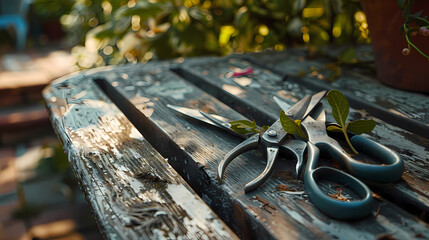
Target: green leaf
[
  {"x": 406, "y": 11},
  {"x": 244, "y": 126},
  {"x": 420, "y": 21},
  {"x": 290, "y": 126},
  {"x": 334, "y": 129},
  {"x": 265, "y": 127},
  {"x": 245, "y": 123},
  {"x": 106, "y": 33},
  {"x": 340, "y": 111},
  {"x": 361, "y": 126},
  {"x": 417, "y": 14},
  {"x": 339, "y": 105}
]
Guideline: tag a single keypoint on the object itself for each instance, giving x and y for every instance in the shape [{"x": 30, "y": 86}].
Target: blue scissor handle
[
  {"x": 393, "y": 166},
  {"x": 390, "y": 170},
  {"x": 335, "y": 208}
]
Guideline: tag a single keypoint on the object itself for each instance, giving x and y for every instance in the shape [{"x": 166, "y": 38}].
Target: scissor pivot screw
[{"x": 272, "y": 133}]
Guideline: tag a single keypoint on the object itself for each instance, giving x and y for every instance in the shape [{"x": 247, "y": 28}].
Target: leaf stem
[
  {"x": 348, "y": 140},
  {"x": 410, "y": 43},
  {"x": 424, "y": 20}
]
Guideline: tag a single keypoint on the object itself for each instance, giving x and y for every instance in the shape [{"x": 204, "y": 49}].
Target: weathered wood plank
[
  {"x": 413, "y": 191},
  {"x": 364, "y": 54},
  {"x": 407, "y": 110},
  {"x": 133, "y": 191},
  {"x": 190, "y": 145}
]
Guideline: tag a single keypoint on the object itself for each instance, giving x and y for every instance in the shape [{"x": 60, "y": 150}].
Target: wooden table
[{"x": 149, "y": 172}]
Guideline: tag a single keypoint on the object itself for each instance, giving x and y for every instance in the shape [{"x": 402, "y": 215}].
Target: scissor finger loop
[
  {"x": 391, "y": 168},
  {"x": 318, "y": 140},
  {"x": 339, "y": 209},
  {"x": 391, "y": 165},
  {"x": 247, "y": 145}
]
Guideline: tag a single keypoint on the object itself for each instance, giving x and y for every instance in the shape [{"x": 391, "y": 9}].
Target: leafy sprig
[
  {"x": 340, "y": 112},
  {"x": 245, "y": 127}
]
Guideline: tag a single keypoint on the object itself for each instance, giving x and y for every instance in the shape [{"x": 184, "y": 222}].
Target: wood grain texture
[
  {"x": 407, "y": 110},
  {"x": 195, "y": 149},
  {"x": 132, "y": 190}
]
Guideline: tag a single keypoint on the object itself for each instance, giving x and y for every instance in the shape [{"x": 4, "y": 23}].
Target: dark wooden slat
[
  {"x": 133, "y": 191},
  {"x": 143, "y": 96},
  {"x": 407, "y": 110},
  {"x": 364, "y": 54},
  {"x": 412, "y": 193}
]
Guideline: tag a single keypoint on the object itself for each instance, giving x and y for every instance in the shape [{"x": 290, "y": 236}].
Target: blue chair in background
[{"x": 13, "y": 13}]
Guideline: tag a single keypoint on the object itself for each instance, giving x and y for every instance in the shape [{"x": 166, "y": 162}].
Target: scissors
[
  {"x": 311, "y": 112},
  {"x": 274, "y": 139}
]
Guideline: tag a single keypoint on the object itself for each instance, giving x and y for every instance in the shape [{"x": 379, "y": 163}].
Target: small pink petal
[{"x": 242, "y": 72}]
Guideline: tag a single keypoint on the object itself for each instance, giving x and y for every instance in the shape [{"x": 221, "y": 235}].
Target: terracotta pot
[{"x": 394, "y": 69}]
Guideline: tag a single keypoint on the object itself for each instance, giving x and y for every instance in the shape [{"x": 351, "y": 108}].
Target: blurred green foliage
[
  {"x": 120, "y": 31},
  {"x": 54, "y": 162},
  {"x": 52, "y": 9}
]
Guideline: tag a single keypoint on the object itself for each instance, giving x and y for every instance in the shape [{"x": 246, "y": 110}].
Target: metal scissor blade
[
  {"x": 282, "y": 104},
  {"x": 297, "y": 111},
  {"x": 302, "y": 108},
  {"x": 318, "y": 113},
  {"x": 315, "y": 99},
  {"x": 196, "y": 114}
]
